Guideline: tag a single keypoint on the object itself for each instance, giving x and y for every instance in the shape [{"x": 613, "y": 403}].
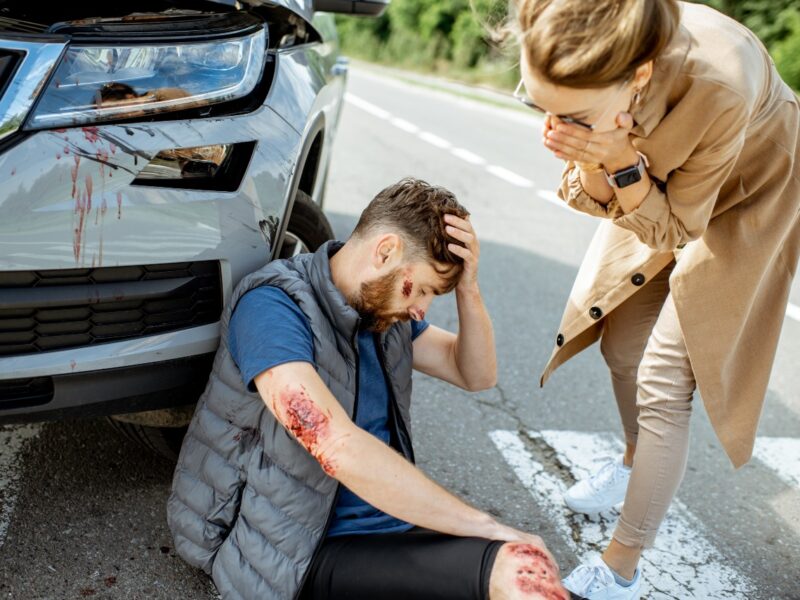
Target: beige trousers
[{"x": 653, "y": 384}]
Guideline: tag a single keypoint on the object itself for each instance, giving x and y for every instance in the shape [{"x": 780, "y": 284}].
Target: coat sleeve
[
  {"x": 572, "y": 192},
  {"x": 679, "y": 214}
]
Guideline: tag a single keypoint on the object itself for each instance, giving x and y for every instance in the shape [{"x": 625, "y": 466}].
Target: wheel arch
[{"x": 305, "y": 173}]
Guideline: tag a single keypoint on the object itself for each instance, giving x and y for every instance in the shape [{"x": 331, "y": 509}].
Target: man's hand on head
[{"x": 462, "y": 230}]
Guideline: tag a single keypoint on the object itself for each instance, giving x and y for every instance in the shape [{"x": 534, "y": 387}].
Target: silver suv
[{"x": 151, "y": 154}]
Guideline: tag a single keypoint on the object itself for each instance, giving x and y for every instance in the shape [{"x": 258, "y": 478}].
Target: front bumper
[{"x": 121, "y": 390}]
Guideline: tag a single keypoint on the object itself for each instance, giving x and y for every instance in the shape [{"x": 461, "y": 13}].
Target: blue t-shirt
[{"x": 268, "y": 329}]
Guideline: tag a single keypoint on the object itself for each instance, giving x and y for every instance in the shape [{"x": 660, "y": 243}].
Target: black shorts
[{"x": 419, "y": 564}]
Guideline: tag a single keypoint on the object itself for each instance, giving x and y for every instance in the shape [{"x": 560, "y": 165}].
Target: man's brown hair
[{"x": 415, "y": 210}]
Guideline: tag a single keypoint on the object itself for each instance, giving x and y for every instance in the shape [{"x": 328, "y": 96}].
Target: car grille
[{"x": 70, "y": 308}]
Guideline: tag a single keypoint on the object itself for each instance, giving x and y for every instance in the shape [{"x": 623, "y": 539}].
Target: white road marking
[
  {"x": 793, "y": 312},
  {"x": 435, "y": 140},
  {"x": 404, "y": 125},
  {"x": 439, "y": 142},
  {"x": 781, "y": 455},
  {"x": 509, "y": 176},
  {"x": 552, "y": 198},
  {"x": 468, "y": 156},
  {"x": 13, "y": 439},
  {"x": 527, "y": 118},
  {"x": 683, "y": 565},
  {"x": 545, "y": 487},
  {"x": 367, "y": 106}
]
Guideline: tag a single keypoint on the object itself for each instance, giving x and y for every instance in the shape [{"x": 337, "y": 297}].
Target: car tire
[
  {"x": 307, "y": 230},
  {"x": 164, "y": 441}
]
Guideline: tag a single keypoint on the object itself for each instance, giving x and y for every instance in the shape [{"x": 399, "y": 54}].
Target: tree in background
[
  {"x": 777, "y": 23},
  {"x": 452, "y": 37}
]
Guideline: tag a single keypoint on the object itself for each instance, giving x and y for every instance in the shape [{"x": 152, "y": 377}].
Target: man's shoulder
[{"x": 266, "y": 300}]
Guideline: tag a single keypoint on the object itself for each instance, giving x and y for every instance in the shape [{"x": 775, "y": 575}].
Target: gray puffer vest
[{"x": 249, "y": 505}]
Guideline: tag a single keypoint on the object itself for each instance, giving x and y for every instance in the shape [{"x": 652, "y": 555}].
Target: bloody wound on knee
[
  {"x": 307, "y": 422},
  {"x": 537, "y": 574}
]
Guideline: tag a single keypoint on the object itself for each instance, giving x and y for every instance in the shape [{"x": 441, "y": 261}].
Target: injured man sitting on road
[{"x": 297, "y": 478}]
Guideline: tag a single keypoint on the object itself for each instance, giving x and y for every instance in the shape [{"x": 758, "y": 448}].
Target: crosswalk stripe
[
  {"x": 781, "y": 455},
  {"x": 793, "y": 312},
  {"x": 683, "y": 564},
  {"x": 13, "y": 439}
]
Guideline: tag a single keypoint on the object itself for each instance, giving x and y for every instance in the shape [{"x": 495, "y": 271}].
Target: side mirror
[{"x": 370, "y": 8}]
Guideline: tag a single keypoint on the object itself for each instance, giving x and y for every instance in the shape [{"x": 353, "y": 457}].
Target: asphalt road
[{"x": 83, "y": 511}]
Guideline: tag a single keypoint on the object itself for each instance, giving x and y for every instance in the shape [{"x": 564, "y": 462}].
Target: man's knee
[{"x": 525, "y": 571}]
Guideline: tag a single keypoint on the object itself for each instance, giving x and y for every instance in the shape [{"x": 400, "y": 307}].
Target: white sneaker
[
  {"x": 594, "y": 580},
  {"x": 601, "y": 491}
]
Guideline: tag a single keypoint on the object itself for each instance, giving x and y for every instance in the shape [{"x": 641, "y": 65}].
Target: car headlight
[{"x": 118, "y": 81}]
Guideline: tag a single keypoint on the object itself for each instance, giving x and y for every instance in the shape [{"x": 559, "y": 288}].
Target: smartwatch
[{"x": 627, "y": 176}]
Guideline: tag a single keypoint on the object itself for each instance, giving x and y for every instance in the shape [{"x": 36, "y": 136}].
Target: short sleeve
[
  {"x": 268, "y": 329},
  {"x": 417, "y": 328}
]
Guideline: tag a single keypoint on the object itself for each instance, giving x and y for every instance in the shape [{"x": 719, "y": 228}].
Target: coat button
[
  {"x": 637, "y": 279},
  {"x": 559, "y": 340},
  {"x": 595, "y": 312}
]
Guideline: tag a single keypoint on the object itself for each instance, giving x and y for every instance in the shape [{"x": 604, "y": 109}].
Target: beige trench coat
[{"x": 720, "y": 130}]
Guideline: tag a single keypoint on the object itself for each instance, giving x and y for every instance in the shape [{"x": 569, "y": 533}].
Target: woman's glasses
[{"x": 522, "y": 95}]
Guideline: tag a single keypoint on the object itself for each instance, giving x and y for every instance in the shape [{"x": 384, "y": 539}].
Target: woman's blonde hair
[{"x": 591, "y": 43}]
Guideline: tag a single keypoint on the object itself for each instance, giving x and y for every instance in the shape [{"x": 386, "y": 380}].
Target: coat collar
[{"x": 654, "y": 104}]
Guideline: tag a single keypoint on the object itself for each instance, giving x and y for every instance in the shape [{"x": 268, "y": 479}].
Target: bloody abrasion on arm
[
  {"x": 307, "y": 422},
  {"x": 537, "y": 575}
]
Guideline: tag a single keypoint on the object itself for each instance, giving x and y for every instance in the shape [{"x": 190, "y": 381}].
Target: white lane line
[
  {"x": 793, "y": 312},
  {"x": 781, "y": 455},
  {"x": 526, "y": 118},
  {"x": 404, "y": 125},
  {"x": 552, "y": 198},
  {"x": 468, "y": 156},
  {"x": 683, "y": 565},
  {"x": 435, "y": 140},
  {"x": 509, "y": 176},
  {"x": 367, "y": 106},
  {"x": 13, "y": 439},
  {"x": 439, "y": 142}
]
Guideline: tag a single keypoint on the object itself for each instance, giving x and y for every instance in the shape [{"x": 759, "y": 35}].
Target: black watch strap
[{"x": 627, "y": 176}]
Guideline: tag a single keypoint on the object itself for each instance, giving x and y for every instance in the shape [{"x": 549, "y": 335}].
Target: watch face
[{"x": 627, "y": 177}]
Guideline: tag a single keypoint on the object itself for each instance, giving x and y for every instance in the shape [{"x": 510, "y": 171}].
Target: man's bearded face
[{"x": 376, "y": 299}]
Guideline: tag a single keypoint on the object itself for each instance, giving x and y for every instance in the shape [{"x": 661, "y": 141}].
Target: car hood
[{"x": 302, "y": 8}]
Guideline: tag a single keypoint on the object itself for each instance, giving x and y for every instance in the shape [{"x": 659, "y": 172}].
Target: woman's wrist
[{"x": 626, "y": 159}]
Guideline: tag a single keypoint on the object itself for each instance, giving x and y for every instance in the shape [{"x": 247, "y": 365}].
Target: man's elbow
[{"x": 484, "y": 383}]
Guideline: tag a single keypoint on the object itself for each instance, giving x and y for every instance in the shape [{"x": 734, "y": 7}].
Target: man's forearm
[
  {"x": 387, "y": 481},
  {"x": 474, "y": 349}
]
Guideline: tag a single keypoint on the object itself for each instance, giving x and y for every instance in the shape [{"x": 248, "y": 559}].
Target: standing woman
[{"x": 676, "y": 130}]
